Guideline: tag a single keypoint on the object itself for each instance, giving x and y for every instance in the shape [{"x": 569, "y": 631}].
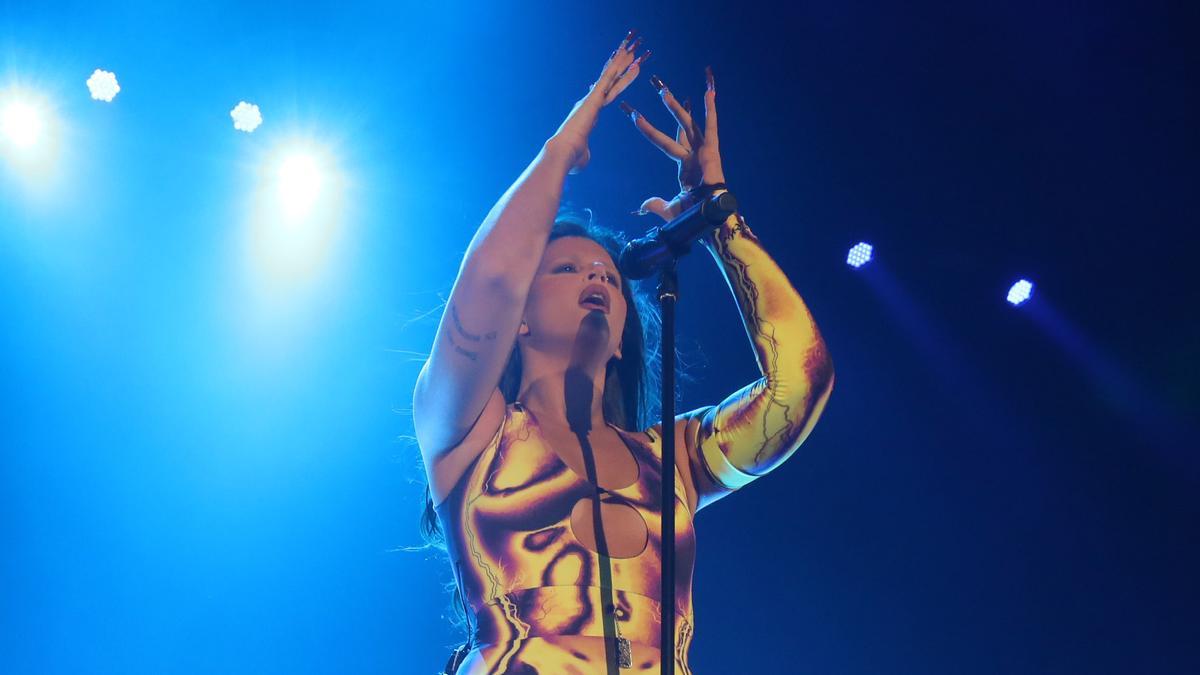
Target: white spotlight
[
  {"x": 299, "y": 182},
  {"x": 1020, "y": 292},
  {"x": 22, "y": 124},
  {"x": 103, "y": 85},
  {"x": 246, "y": 117},
  {"x": 31, "y": 144},
  {"x": 297, "y": 213},
  {"x": 859, "y": 255}
]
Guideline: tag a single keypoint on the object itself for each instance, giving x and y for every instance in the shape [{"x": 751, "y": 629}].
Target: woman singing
[{"x": 533, "y": 417}]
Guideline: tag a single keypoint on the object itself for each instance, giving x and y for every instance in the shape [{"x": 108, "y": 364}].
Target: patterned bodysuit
[
  {"x": 533, "y": 586},
  {"x": 536, "y": 592}
]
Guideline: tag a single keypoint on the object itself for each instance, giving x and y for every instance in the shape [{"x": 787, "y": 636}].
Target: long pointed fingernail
[
  {"x": 708, "y": 78},
  {"x": 642, "y": 59},
  {"x": 658, "y": 84},
  {"x": 634, "y": 45},
  {"x": 639, "y": 212},
  {"x": 629, "y": 35},
  {"x": 628, "y": 110}
]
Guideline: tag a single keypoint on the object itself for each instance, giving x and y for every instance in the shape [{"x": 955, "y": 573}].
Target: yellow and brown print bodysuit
[{"x": 537, "y": 592}]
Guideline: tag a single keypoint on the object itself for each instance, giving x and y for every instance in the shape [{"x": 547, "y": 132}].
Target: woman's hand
[
  {"x": 619, "y": 71},
  {"x": 697, "y": 153}
]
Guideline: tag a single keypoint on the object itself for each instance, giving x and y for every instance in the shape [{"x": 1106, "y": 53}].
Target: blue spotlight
[
  {"x": 859, "y": 255},
  {"x": 1020, "y": 292}
]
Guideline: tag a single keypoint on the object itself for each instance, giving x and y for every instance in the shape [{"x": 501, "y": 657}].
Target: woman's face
[{"x": 561, "y": 307}]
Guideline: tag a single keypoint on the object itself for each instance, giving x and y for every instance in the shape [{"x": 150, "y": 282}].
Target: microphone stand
[
  {"x": 668, "y": 294},
  {"x": 670, "y": 243}
]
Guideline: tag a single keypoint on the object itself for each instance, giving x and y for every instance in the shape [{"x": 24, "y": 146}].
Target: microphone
[{"x": 643, "y": 257}]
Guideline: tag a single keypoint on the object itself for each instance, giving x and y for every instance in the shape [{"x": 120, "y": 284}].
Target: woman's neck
[{"x": 571, "y": 400}]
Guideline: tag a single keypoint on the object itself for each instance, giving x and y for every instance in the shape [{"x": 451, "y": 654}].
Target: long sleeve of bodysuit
[{"x": 761, "y": 425}]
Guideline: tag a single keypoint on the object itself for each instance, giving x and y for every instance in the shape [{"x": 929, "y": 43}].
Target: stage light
[
  {"x": 297, "y": 214},
  {"x": 246, "y": 117},
  {"x": 859, "y": 255},
  {"x": 1020, "y": 292},
  {"x": 22, "y": 124},
  {"x": 31, "y": 144},
  {"x": 299, "y": 182},
  {"x": 103, "y": 85}
]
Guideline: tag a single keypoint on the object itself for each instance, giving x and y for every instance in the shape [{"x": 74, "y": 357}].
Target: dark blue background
[{"x": 200, "y": 475}]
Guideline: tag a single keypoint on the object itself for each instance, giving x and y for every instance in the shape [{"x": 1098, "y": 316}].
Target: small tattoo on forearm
[
  {"x": 463, "y": 331},
  {"x": 465, "y": 352}
]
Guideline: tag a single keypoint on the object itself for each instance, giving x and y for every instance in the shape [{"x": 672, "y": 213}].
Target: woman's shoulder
[
  {"x": 687, "y": 427},
  {"x": 684, "y": 422},
  {"x": 447, "y": 470}
]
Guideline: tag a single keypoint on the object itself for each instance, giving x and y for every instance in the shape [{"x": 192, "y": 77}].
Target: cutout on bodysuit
[{"x": 625, "y": 530}]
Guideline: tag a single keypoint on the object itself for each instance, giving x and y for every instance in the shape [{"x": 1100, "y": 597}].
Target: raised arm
[
  {"x": 480, "y": 321},
  {"x": 757, "y": 428}
]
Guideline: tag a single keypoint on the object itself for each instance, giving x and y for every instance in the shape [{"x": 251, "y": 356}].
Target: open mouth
[{"x": 595, "y": 297}]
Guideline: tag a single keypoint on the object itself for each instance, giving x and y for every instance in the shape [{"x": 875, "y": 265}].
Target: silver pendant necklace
[{"x": 624, "y": 652}]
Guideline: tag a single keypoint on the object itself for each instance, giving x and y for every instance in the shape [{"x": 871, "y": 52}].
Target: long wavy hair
[{"x": 631, "y": 383}]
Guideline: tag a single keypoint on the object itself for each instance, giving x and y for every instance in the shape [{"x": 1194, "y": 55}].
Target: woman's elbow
[{"x": 818, "y": 369}]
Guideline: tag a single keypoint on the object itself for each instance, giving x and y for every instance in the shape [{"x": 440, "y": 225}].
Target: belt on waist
[{"x": 548, "y": 611}]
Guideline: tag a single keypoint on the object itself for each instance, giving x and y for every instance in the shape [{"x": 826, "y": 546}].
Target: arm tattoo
[
  {"x": 474, "y": 356},
  {"x": 463, "y": 331},
  {"x": 464, "y": 335}
]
